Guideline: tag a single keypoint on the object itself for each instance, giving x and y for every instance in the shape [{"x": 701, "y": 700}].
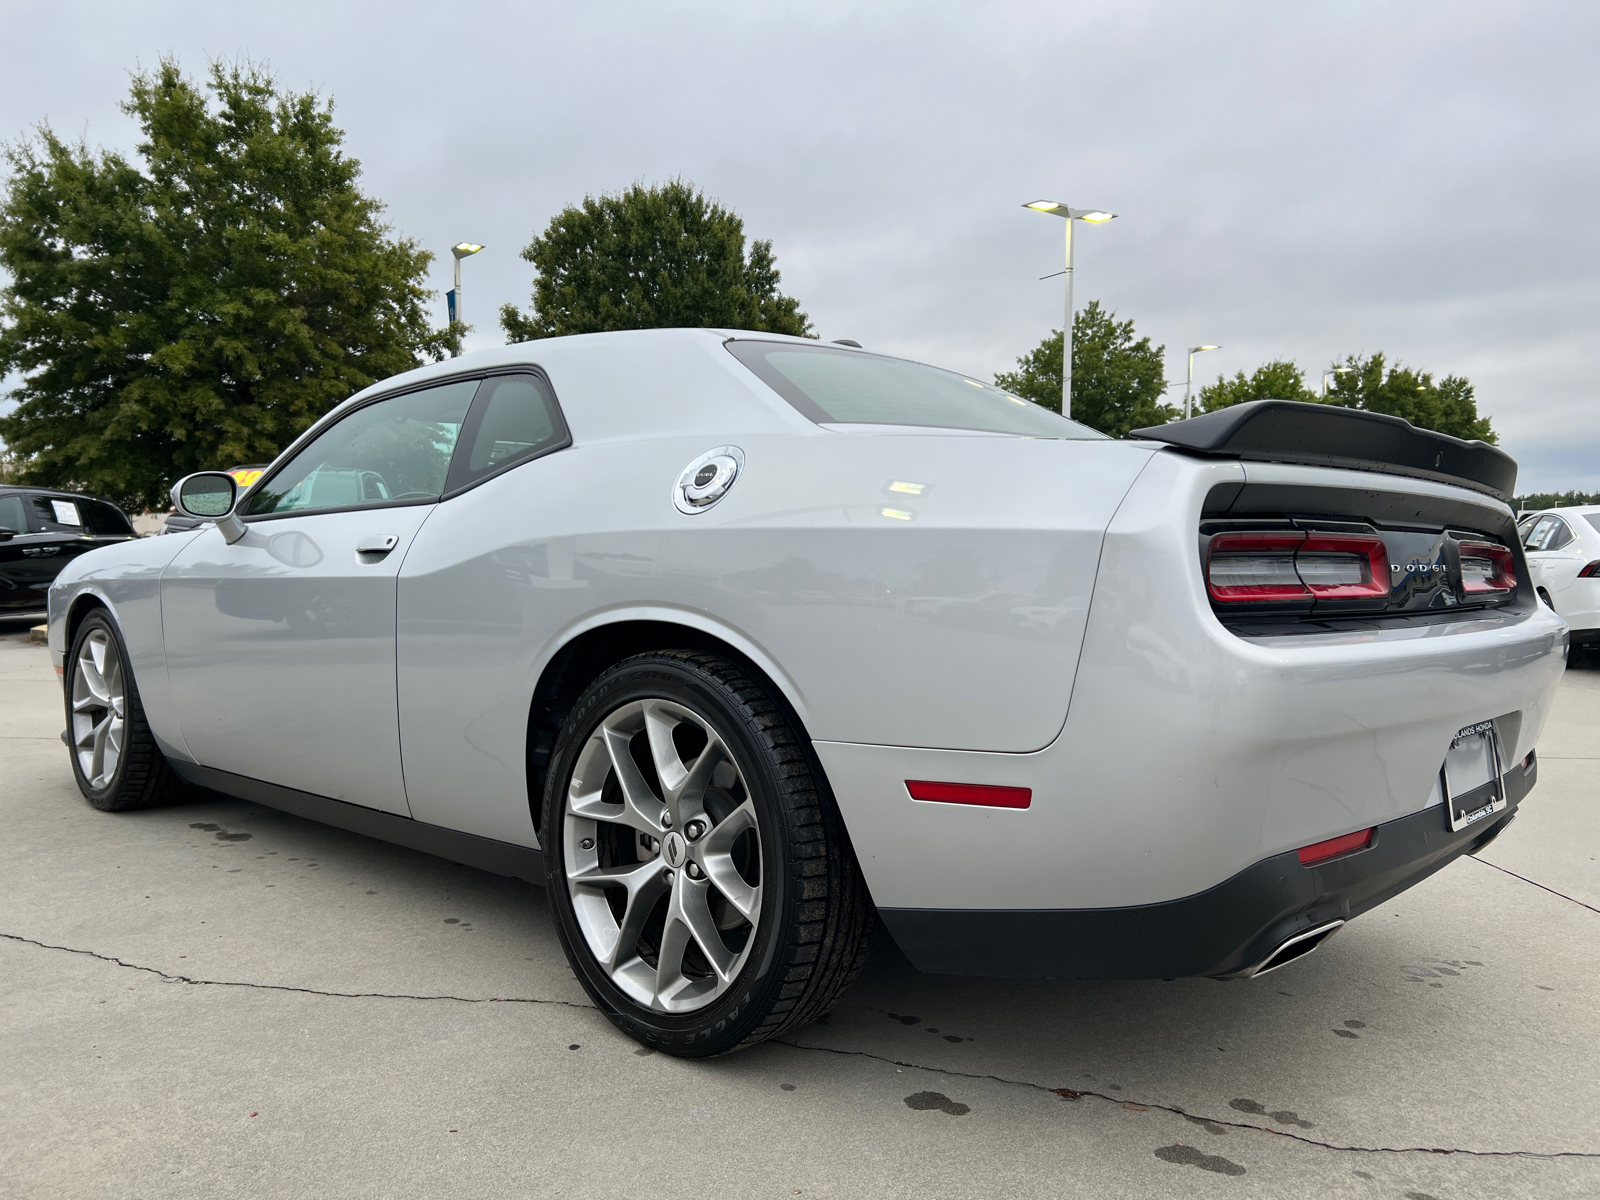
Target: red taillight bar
[
  {"x": 1591, "y": 571},
  {"x": 1504, "y": 578},
  {"x": 1255, "y": 543},
  {"x": 1371, "y": 548},
  {"x": 1344, "y": 844},
  {"x": 987, "y": 795},
  {"x": 1293, "y": 544}
]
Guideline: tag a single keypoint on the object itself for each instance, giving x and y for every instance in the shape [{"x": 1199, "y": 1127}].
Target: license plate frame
[{"x": 1472, "y": 777}]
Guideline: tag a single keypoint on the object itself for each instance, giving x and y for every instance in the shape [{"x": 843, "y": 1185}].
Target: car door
[
  {"x": 51, "y": 532},
  {"x": 1560, "y": 559},
  {"x": 1536, "y": 537},
  {"x": 281, "y": 647}
]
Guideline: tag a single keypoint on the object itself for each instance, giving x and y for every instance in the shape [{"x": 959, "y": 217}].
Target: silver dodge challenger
[{"x": 739, "y": 644}]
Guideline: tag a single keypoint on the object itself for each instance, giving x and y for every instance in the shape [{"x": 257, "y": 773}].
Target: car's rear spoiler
[{"x": 1328, "y": 435}]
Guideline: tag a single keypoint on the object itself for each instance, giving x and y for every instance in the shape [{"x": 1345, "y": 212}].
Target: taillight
[
  {"x": 1487, "y": 569},
  {"x": 1254, "y": 566},
  {"x": 1592, "y": 571},
  {"x": 1294, "y": 565},
  {"x": 1344, "y": 566}
]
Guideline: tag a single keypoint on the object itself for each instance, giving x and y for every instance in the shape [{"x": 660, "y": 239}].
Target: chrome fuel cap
[{"x": 707, "y": 479}]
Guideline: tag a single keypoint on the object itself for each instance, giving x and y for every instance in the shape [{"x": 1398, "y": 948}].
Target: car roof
[{"x": 9, "y": 489}]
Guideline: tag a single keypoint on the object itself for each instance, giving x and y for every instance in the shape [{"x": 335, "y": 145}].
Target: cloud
[{"x": 1292, "y": 181}]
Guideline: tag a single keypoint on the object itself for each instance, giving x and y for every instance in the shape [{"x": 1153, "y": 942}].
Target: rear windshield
[{"x": 850, "y": 387}]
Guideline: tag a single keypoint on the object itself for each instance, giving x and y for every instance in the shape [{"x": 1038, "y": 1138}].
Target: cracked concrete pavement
[{"x": 218, "y": 999}]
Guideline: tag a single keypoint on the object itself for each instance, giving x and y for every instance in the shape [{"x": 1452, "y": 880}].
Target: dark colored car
[
  {"x": 244, "y": 476},
  {"x": 40, "y": 532}
]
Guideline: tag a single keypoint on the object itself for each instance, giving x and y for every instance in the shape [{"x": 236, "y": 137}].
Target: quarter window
[
  {"x": 395, "y": 450},
  {"x": 514, "y": 419}
]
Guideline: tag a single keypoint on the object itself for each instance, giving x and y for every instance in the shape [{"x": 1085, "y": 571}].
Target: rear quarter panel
[{"x": 945, "y": 613}]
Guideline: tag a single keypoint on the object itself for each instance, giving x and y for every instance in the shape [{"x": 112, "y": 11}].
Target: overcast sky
[{"x": 1292, "y": 180}]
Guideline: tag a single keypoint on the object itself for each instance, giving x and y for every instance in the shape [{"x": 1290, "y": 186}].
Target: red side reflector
[
  {"x": 1333, "y": 847},
  {"x": 970, "y": 793}
]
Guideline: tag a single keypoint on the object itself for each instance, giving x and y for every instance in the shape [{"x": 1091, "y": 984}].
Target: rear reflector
[
  {"x": 970, "y": 793},
  {"x": 1242, "y": 567},
  {"x": 1333, "y": 847}
]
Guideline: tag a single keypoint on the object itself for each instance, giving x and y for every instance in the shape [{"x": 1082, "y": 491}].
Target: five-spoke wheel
[{"x": 115, "y": 758}]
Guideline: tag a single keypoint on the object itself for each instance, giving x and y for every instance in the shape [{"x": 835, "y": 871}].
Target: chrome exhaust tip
[{"x": 1300, "y": 945}]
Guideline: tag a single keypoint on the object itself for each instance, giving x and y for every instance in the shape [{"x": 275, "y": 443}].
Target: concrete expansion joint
[
  {"x": 284, "y": 987},
  {"x": 1125, "y": 1101},
  {"x": 1534, "y": 883}
]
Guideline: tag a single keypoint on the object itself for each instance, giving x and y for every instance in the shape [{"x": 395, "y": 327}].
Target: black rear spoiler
[{"x": 1328, "y": 435}]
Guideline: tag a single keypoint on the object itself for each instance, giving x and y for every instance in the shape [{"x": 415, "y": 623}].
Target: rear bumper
[{"x": 1221, "y": 931}]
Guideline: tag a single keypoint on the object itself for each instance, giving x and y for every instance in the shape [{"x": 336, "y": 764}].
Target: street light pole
[
  {"x": 1329, "y": 374},
  {"x": 461, "y": 250},
  {"x": 1095, "y": 217},
  {"x": 1189, "y": 386}
]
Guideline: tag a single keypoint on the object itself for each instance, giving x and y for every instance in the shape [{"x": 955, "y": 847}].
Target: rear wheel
[
  {"x": 115, "y": 758},
  {"x": 702, "y": 883}
]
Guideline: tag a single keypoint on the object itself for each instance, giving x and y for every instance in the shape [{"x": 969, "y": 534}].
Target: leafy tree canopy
[
  {"x": 1368, "y": 383},
  {"x": 1446, "y": 406},
  {"x": 1117, "y": 381},
  {"x": 203, "y": 305},
  {"x": 1540, "y": 500},
  {"x": 651, "y": 258},
  {"x": 1276, "y": 380}
]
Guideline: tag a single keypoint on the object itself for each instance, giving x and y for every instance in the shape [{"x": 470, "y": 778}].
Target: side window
[
  {"x": 1539, "y": 536},
  {"x": 54, "y": 515},
  {"x": 12, "y": 515},
  {"x": 1560, "y": 535},
  {"x": 515, "y": 418},
  {"x": 104, "y": 519},
  {"x": 394, "y": 450}
]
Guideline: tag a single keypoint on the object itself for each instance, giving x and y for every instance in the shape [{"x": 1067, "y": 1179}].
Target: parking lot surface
[{"x": 347, "y": 1018}]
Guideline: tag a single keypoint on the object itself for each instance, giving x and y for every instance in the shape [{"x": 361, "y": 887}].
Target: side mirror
[
  {"x": 210, "y": 496},
  {"x": 7, "y": 534}
]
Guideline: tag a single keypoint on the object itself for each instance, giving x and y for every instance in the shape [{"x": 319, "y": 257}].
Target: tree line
[{"x": 204, "y": 302}]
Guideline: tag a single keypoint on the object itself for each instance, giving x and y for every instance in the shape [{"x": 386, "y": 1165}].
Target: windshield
[{"x": 850, "y": 387}]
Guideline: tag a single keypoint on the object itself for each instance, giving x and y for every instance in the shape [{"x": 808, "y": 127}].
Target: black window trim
[{"x": 559, "y": 419}]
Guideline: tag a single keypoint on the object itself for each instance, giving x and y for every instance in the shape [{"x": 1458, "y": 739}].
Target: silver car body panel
[{"x": 1029, "y": 612}]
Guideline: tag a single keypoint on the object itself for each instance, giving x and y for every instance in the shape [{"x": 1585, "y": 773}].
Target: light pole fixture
[
  {"x": 1189, "y": 386},
  {"x": 1094, "y": 216},
  {"x": 460, "y": 250},
  {"x": 1329, "y": 374}
]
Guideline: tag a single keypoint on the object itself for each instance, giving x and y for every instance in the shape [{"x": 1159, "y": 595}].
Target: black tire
[
  {"x": 816, "y": 917},
  {"x": 142, "y": 778}
]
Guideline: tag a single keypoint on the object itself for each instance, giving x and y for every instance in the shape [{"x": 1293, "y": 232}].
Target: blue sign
[{"x": 450, "y": 299}]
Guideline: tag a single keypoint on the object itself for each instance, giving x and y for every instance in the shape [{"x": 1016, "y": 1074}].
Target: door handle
[{"x": 377, "y": 543}]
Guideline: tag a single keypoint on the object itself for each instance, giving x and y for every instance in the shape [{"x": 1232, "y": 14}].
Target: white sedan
[
  {"x": 1563, "y": 549},
  {"x": 737, "y": 643}
]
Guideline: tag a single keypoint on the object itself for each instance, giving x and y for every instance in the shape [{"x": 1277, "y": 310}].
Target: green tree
[
  {"x": 1276, "y": 380},
  {"x": 1447, "y": 406},
  {"x": 1555, "y": 500},
  {"x": 1117, "y": 381},
  {"x": 204, "y": 304},
  {"x": 651, "y": 258}
]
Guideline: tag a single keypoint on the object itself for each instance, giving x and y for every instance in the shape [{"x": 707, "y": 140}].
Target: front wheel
[
  {"x": 702, "y": 883},
  {"x": 115, "y": 758}
]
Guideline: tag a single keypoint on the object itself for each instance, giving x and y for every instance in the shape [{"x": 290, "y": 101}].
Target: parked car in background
[
  {"x": 244, "y": 476},
  {"x": 735, "y": 641},
  {"x": 41, "y": 531},
  {"x": 1563, "y": 549}
]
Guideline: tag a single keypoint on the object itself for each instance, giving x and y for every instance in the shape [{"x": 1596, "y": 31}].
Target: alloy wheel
[
  {"x": 662, "y": 856},
  {"x": 99, "y": 709}
]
